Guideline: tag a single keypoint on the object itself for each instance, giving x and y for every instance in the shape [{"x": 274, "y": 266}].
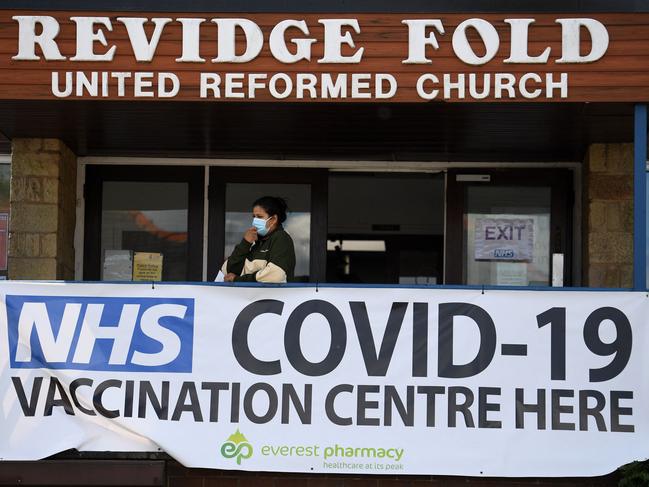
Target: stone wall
[
  {"x": 608, "y": 216},
  {"x": 42, "y": 210}
]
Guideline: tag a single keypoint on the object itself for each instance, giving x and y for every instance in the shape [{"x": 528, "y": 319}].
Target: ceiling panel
[{"x": 433, "y": 131}]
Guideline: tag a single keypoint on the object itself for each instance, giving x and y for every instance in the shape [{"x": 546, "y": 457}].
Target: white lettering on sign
[
  {"x": 87, "y": 36},
  {"x": 334, "y": 39},
  {"x": 422, "y": 87},
  {"x": 523, "y": 85},
  {"x": 143, "y": 49},
  {"x": 418, "y": 40},
  {"x": 498, "y": 85},
  {"x": 104, "y": 84},
  {"x": 168, "y": 85},
  {"x": 282, "y": 80},
  {"x": 310, "y": 85},
  {"x": 227, "y": 41},
  {"x": 487, "y": 33},
  {"x": 381, "y": 80},
  {"x": 255, "y": 83},
  {"x": 337, "y": 35},
  {"x": 305, "y": 85},
  {"x": 34, "y": 318},
  {"x": 519, "y": 43},
  {"x": 28, "y": 39},
  {"x": 571, "y": 40},
  {"x": 474, "y": 42},
  {"x": 143, "y": 81},
  {"x": 121, "y": 334},
  {"x": 191, "y": 40},
  {"x": 278, "y": 47}
]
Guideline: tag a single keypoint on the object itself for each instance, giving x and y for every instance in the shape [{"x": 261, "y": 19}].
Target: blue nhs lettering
[
  {"x": 100, "y": 333},
  {"x": 504, "y": 253}
]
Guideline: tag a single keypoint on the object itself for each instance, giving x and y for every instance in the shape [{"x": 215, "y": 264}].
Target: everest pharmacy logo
[{"x": 237, "y": 446}]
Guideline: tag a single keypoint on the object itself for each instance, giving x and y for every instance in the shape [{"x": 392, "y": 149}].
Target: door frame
[
  {"x": 219, "y": 177},
  {"x": 561, "y": 213},
  {"x": 93, "y": 195}
]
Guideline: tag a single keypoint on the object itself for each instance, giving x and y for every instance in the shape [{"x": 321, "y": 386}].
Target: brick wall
[
  {"x": 71, "y": 470},
  {"x": 608, "y": 216},
  {"x": 179, "y": 476},
  {"x": 42, "y": 210}
]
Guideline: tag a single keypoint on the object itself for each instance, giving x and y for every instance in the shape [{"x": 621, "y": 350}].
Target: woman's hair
[{"x": 273, "y": 205}]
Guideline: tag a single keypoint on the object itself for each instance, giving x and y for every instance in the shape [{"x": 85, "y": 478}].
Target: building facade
[{"x": 452, "y": 143}]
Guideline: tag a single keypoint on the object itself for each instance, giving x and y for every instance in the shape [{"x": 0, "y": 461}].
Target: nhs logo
[
  {"x": 99, "y": 333},
  {"x": 504, "y": 253}
]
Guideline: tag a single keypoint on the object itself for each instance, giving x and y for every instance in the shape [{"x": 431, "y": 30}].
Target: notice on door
[
  {"x": 147, "y": 266},
  {"x": 508, "y": 239},
  {"x": 118, "y": 265}
]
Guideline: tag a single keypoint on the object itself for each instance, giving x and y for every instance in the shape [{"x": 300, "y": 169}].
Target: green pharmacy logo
[{"x": 237, "y": 446}]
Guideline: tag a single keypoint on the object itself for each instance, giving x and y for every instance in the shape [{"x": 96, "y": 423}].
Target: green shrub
[{"x": 635, "y": 474}]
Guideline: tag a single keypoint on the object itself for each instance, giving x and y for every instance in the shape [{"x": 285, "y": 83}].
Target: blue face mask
[{"x": 260, "y": 225}]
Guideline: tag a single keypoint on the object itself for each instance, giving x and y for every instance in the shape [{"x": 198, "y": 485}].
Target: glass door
[
  {"x": 506, "y": 227},
  {"x": 385, "y": 228},
  {"x": 232, "y": 192}
]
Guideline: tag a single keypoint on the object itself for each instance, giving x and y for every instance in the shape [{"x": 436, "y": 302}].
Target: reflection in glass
[
  {"x": 238, "y": 217},
  {"x": 385, "y": 228},
  {"x": 506, "y": 203},
  {"x": 147, "y": 217}
]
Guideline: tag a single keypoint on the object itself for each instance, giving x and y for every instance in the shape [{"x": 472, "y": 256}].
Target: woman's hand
[
  {"x": 251, "y": 235},
  {"x": 229, "y": 277}
]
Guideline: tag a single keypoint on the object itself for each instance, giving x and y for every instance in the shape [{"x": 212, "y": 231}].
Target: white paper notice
[
  {"x": 118, "y": 265},
  {"x": 509, "y": 239},
  {"x": 511, "y": 274}
]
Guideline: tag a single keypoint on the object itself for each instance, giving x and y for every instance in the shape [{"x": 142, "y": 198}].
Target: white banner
[{"x": 329, "y": 380}]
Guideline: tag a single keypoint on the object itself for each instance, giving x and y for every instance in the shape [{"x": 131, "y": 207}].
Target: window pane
[
  {"x": 385, "y": 228},
  {"x": 147, "y": 217},
  {"x": 238, "y": 217},
  {"x": 513, "y": 219}
]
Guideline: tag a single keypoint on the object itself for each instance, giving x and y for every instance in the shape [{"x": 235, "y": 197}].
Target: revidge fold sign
[
  {"x": 297, "y": 57},
  {"x": 299, "y": 379}
]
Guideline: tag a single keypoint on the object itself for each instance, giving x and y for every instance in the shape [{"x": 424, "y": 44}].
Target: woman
[{"x": 266, "y": 253}]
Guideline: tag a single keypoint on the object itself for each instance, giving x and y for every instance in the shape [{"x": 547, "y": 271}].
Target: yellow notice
[{"x": 147, "y": 266}]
